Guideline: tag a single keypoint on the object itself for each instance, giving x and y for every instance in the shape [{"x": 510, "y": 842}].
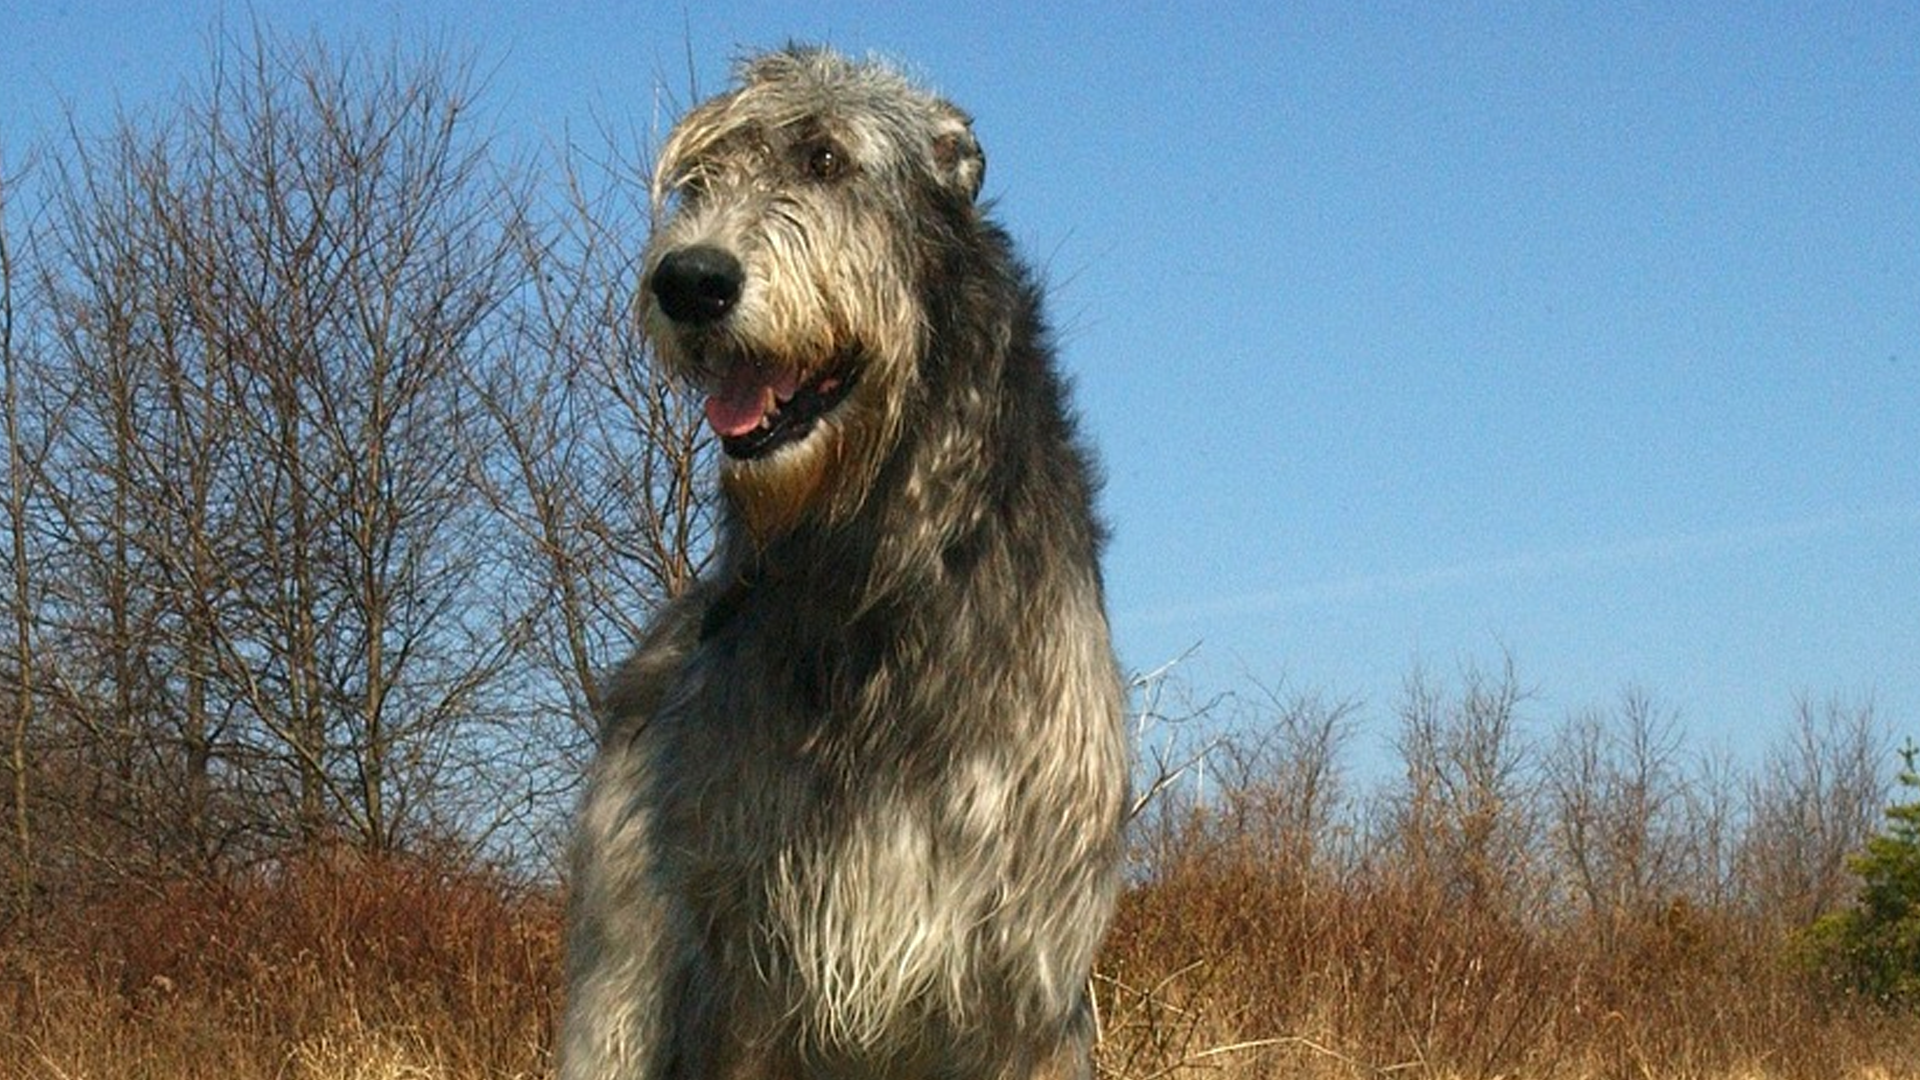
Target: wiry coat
[{"x": 857, "y": 809}]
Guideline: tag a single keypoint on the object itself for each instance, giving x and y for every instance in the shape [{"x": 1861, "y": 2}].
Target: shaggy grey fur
[{"x": 858, "y": 804}]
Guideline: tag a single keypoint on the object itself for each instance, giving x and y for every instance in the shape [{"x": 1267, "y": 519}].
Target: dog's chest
[{"x": 763, "y": 753}]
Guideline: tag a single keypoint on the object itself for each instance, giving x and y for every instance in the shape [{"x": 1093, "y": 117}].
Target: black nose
[{"x": 698, "y": 285}]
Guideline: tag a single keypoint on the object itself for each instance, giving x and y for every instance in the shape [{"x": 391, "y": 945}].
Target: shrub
[{"x": 1873, "y": 947}]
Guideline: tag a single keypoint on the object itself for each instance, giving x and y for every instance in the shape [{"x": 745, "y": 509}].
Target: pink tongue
[{"x": 745, "y": 396}]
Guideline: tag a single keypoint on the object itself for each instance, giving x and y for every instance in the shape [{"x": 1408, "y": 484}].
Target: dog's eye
[
  {"x": 684, "y": 192},
  {"x": 823, "y": 161}
]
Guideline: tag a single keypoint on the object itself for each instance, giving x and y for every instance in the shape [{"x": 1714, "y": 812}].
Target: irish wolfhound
[{"x": 858, "y": 803}]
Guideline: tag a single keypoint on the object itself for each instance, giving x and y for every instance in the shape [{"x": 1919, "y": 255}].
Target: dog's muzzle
[
  {"x": 753, "y": 405},
  {"x": 698, "y": 286}
]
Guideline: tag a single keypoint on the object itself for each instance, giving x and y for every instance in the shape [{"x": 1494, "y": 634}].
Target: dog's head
[{"x": 794, "y": 216}]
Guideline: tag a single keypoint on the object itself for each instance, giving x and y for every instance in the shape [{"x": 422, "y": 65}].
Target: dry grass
[
  {"x": 326, "y": 968},
  {"x": 1221, "y": 966},
  {"x": 1224, "y": 966}
]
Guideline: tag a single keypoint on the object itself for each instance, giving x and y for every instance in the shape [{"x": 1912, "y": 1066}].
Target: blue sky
[{"x": 1407, "y": 335}]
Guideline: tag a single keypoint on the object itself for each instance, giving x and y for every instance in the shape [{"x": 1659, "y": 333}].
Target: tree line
[
  {"x": 1605, "y": 818},
  {"x": 333, "y": 472}
]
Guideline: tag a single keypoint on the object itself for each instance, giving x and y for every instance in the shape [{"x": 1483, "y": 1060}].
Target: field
[{"x": 1224, "y": 963}]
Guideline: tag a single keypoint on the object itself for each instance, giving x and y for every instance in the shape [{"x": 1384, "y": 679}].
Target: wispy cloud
[{"x": 1645, "y": 551}]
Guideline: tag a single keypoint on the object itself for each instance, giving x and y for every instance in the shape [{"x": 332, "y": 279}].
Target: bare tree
[
  {"x": 337, "y": 473},
  {"x": 1617, "y": 797},
  {"x": 1463, "y": 821},
  {"x": 101, "y": 603},
  {"x": 1277, "y": 775},
  {"x": 599, "y": 461},
  {"x": 270, "y": 310},
  {"x": 1173, "y": 736},
  {"x": 19, "y": 491},
  {"x": 1816, "y": 800},
  {"x": 365, "y": 245},
  {"x": 1715, "y": 820}
]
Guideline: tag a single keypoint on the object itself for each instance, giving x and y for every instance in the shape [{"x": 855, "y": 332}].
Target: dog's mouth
[{"x": 759, "y": 408}]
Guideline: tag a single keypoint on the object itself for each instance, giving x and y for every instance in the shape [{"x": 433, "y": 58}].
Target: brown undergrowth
[
  {"x": 320, "y": 967},
  {"x": 1230, "y": 968},
  {"x": 1224, "y": 962}
]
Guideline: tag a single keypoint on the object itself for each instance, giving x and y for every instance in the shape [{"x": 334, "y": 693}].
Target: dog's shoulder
[{"x": 633, "y": 692}]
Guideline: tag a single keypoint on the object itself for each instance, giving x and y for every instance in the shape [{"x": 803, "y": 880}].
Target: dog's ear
[{"x": 957, "y": 157}]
